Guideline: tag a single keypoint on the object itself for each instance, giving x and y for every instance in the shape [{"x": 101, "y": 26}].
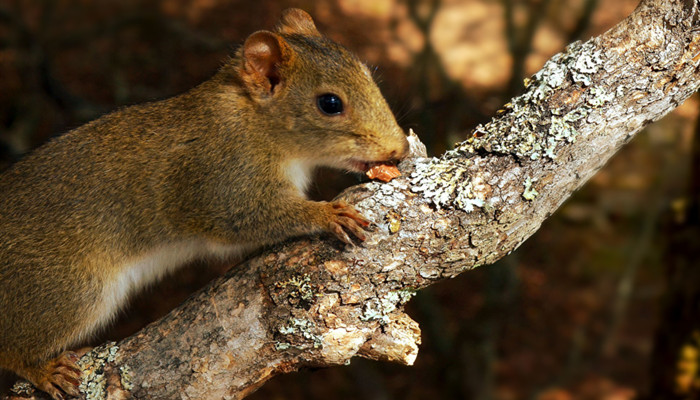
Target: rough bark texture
[{"x": 311, "y": 302}]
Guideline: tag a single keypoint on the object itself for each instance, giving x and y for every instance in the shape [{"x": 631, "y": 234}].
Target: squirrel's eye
[{"x": 329, "y": 104}]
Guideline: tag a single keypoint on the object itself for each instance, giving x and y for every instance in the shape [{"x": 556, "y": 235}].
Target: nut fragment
[{"x": 383, "y": 172}]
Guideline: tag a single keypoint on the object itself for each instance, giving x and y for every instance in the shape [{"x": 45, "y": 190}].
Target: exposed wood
[{"x": 311, "y": 302}]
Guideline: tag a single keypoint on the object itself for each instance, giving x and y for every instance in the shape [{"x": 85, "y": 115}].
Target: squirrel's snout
[{"x": 401, "y": 154}]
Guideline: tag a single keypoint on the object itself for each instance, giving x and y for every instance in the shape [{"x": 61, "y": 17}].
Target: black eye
[{"x": 329, "y": 104}]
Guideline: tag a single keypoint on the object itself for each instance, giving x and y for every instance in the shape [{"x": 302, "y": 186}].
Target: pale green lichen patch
[
  {"x": 445, "y": 183},
  {"x": 299, "y": 287},
  {"x": 125, "y": 377},
  {"x": 93, "y": 366},
  {"x": 529, "y": 193},
  {"x": 23, "y": 388},
  {"x": 586, "y": 64},
  {"x": 301, "y": 327},
  {"x": 521, "y": 131},
  {"x": 379, "y": 309},
  {"x": 562, "y": 129},
  {"x": 404, "y": 295},
  {"x": 536, "y": 125},
  {"x": 280, "y": 346},
  {"x": 599, "y": 96}
]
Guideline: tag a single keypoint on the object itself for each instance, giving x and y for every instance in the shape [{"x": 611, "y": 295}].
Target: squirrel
[{"x": 96, "y": 214}]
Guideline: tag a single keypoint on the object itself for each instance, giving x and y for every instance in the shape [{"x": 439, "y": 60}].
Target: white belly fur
[{"x": 153, "y": 266}]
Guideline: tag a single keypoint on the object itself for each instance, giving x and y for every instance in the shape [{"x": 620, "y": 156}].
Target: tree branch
[{"x": 311, "y": 303}]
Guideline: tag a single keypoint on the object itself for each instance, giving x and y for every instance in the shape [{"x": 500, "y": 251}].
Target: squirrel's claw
[
  {"x": 346, "y": 218},
  {"x": 346, "y": 210},
  {"x": 63, "y": 377},
  {"x": 338, "y": 231}
]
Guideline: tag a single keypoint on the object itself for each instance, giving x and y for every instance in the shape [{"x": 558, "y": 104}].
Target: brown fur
[{"x": 206, "y": 167}]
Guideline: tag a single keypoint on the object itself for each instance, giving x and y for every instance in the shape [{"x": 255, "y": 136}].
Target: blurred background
[{"x": 573, "y": 314}]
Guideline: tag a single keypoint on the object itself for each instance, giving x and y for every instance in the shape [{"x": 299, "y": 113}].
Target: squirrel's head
[{"x": 322, "y": 102}]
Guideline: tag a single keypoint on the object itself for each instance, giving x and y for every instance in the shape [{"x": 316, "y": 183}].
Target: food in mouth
[{"x": 383, "y": 172}]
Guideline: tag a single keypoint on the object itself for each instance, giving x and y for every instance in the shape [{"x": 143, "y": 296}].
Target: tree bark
[{"x": 311, "y": 302}]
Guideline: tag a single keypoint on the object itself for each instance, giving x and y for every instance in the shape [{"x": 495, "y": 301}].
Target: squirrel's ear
[
  {"x": 297, "y": 21},
  {"x": 263, "y": 53}
]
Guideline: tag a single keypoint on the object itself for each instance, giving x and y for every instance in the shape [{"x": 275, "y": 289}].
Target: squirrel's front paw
[
  {"x": 346, "y": 217},
  {"x": 61, "y": 376}
]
